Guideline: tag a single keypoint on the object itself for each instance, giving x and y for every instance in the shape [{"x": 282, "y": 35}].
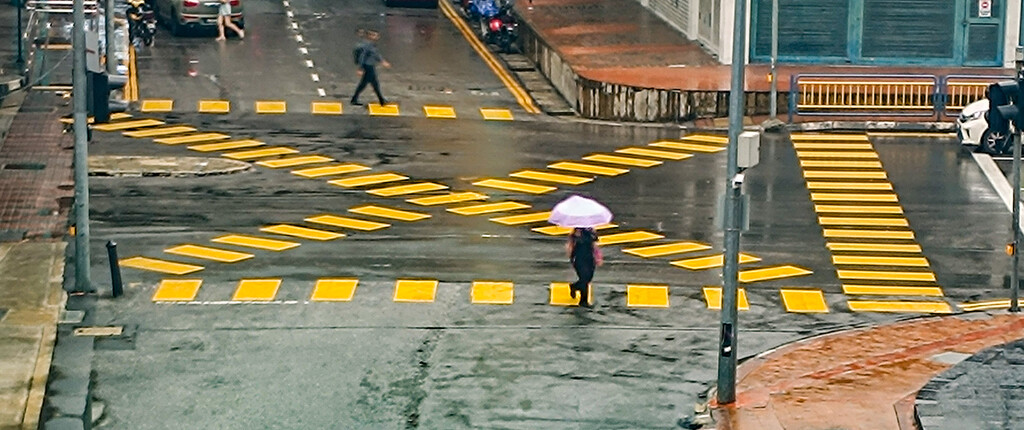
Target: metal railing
[{"x": 60, "y": 6}]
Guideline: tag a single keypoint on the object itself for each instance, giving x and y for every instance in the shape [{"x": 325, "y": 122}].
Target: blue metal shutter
[
  {"x": 807, "y": 28},
  {"x": 909, "y": 29}
]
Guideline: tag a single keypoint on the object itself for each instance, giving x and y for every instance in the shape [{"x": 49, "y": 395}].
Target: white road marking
[
  {"x": 298, "y": 37},
  {"x": 295, "y": 25},
  {"x": 321, "y": 92},
  {"x": 316, "y": 77},
  {"x": 998, "y": 181},
  {"x": 290, "y": 14},
  {"x": 309, "y": 63},
  {"x": 303, "y": 50}
]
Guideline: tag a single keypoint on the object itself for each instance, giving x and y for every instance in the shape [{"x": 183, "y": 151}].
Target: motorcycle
[
  {"x": 144, "y": 28},
  {"x": 495, "y": 22}
]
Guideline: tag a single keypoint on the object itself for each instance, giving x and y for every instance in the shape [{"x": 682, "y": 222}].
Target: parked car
[
  {"x": 972, "y": 129},
  {"x": 411, "y": 3},
  {"x": 182, "y": 15}
]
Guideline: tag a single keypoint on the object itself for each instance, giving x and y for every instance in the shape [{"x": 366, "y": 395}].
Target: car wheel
[{"x": 993, "y": 142}]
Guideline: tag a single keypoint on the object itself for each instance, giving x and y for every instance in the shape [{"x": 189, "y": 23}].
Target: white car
[{"x": 972, "y": 129}]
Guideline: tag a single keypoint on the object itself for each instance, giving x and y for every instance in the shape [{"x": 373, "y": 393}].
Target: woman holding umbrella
[{"x": 582, "y": 214}]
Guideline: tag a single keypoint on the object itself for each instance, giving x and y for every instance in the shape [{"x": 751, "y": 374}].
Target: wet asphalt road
[{"x": 375, "y": 363}]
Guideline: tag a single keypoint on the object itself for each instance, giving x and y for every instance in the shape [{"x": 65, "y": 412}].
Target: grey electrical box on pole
[{"x": 749, "y": 150}]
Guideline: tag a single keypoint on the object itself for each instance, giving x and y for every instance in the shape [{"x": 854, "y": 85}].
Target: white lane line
[
  {"x": 998, "y": 181},
  {"x": 290, "y": 14},
  {"x": 295, "y": 26},
  {"x": 303, "y": 50},
  {"x": 285, "y": 3},
  {"x": 309, "y": 63},
  {"x": 316, "y": 77},
  {"x": 321, "y": 92},
  {"x": 298, "y": 37}
]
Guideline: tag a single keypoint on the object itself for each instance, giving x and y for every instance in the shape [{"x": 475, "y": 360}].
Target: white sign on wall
[{"x": 984, "y": 8}]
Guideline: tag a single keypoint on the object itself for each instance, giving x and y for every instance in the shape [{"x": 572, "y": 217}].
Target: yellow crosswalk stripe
[
  {"x": 492, "y": 293},
  {"x": 522, "y": 187},
  {"x": 711, "y": 261},
  {"x": 869, "y": 234},
  {"x": 303, "y": 232},
  {"x": 646, "y": 296},
  {"x": 890, "y": 290},
  {"x": 256, "y": 290},
  {"x": 125, "y": 125},
  {"x": 557, "y": 178},
  {"x": 845, "y": 174},
  {"x": 620, "y": 160},
  {"x": 627, "y": 237},
  {"x": 872, "y": 247},
  {"x": 851, "y": 197},
  {"x": 770, "y": 273},
  {"x": 261, "y": 153},
  {"x": 177, "y": 290},
  {"x": 588, "y": 168},
  {"x": 415, "y": 290},
  {"x": 840, "y": 163},
  {"x": 554, "y": 230},
  {"x": 881, "y": 275},
  {"x": 389, "y": 109},
  {"x": 391, "y": 213},
  {"x": 325, "y": 108},
  {"x": 560, "y": 296},
  {"x": 496, "y": 114},
  {"x": 876, "y": 186},
  {"x": 214, "y": 106},
  {"x": 294, "y": 161},
  {"x": 333, "y": 169},
  {"x": 162, "y": 266},
  {"x": 713, "y": 298},
  {"x": 487, "y": 208},
  {"x": 837, "y": 154},
  {"x": 346, "y": 222},
  {"x": 401, "y": 190},
  {"x": 886, "y": 222},
  {"x": 687, "y": 146},
  {"x": 667, "y": 249},
  {"x": 361, "y": 181},
  {"x": 804, "y": 301},
  {"x": 271, "y": 106},
  {"x": 255, "y": 242},
  {"x": 443, "y": 199},
  {"x": 859, "y": 209},
  {"x": 522, "y": 218},
  {"x": 444, "y": 112},
  {"x": 915, "y": 307},
  {"x": 983, "y": 305},
  {"x": 159, "y": 131},
  {"x": 829, "y": 138},
  {"x": 833, "y": 145},
  {"x": 706, "y": 138},
  {"x": 334, "y": 290},
  {"x": 207, "y": 253},
  {"x": 667, "y": 155},
  {"x": 191, "y": 138},
  {"x": 226, "y": 146},
  {"x": 861, "y": 260},
  {"x": 156, "y": 105}
]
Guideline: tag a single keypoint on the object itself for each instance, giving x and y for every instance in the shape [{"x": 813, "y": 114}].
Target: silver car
[{"x": 182, "y": 15}]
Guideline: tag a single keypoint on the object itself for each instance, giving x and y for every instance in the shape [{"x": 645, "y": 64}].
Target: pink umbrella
[{"x": 579, "y": 211}]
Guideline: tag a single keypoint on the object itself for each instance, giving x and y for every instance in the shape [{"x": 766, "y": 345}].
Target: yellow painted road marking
[
  {"x": 856, "y": 209},
  {"x": 415, "y": 290},
  {"x": 861, "y": 260},
  {"x": 255, "y": 242},
  {"x": 303, "y": 232},
  {"x": 588, "y": 168},
  {"x": 325, "y": 108},
  {"x": 711, "y": 261},
  {"x": 917, "y": 307},
  {"x": 491, "y": 293},
  {"x": 177, "y": 290},
  {"x": 271, "y": 106},
  {"x": 833, "y": 145},
  {"x": 159, "y": 131},
  {"x": 829, "y": 138},
  {"x": 843, "y": 197},
  {"x": 360, "y": 181},
  {"x": 646, "y": 296},
  {"x": 260, "y": 153},
  {"x": 191, "y": 138},
  {"x": 880, "y": 275},
  {"x": 840, "y": 163},
  {"x": 983, "y": 305},
  {"x": 624, "y": 161},
  {"x": 713, "y": 298},
  {"x": 385, "y": 212},
  {"x": 334, "y": 169},
  {"x": 214, "y": 106},
  {"x": 687, "y": 146},
  {"x": 401, "y": 190},
  {"x": 888, "y": 222},
  {"x": 804, "y": 301},
  {"x": 667, "y": 249},
  {"x": 487, "y": 208},
  {"x": 294, "y": 161},
  {"x": 523, "y": 218},
  {"x": 162, "y": 266},
  {"x": 389, "y": 109},
  {"x": 345, "y": 222},
  {"x": 554, "y": 230},
  {"x": 225, "y": 146},
  {"x": 837, "y": 154},
  {"x": 56, "y": 46},
  {"x": 560, "y": 296},
  {"x": 256, "y": 290},
  {"x": 446, "y": 112},
  {"x": 876, "y": 186},
  {"x": 557, "y": 178},
  {"x": 117, "y": 116},
  {"x": 626, "y": 237},
  {"x": 205, "y": 252},
  {"x": 872, "y": 247},
  {"x": 845, "y": 174},
  {"x": 457, "y": 197},
  {"x": 522, "y": 187},
  {"x": 157, "y": 105},
  {"x": 869, "y": 234},
  {"x": 924, "y": 134},
  {"x": 706, "y": 138},
  {"x": 668, "y": 155},
  {"x": 125, "y": 125},
  {"x": 496, "y": 114},
  {"x": 334, "y": 290},
  {"x": 894, "y": 290},
  {"x": 770, "y": 273}
]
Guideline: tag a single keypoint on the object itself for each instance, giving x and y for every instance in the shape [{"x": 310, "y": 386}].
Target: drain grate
[{"x": 24, "y": 166}]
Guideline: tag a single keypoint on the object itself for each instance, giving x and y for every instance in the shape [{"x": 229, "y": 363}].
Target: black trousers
[
  {"x": 369, "y": 77},
  {"x": 585, "y": 274}
]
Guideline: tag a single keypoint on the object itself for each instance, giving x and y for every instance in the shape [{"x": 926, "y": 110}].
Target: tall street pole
[
  {"x": 83, "y": 282},
  {"x": 733, "y": 189},
  {"x": 108, "y": 29},
  {"x": 1016, "y": 140},
  {"x": 20, "y": 62},
  {"x": 775, "y": 59}
]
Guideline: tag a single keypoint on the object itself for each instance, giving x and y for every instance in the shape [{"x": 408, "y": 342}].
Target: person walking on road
[
  {"x": 367, "y": 58},
  {"x": 585, "y": 256},
  {"x": 224, "y": 20}
]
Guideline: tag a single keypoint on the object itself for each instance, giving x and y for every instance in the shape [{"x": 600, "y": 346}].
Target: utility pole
[
  {"x": 20, "y": 61},
  {"x": 1016, "y": 140},
  {"x": 775, "y": 59},
  {"x": 108, "y": 29},
  {"x": 733, "y": 190},
  {"x": 83, "y": 282}
]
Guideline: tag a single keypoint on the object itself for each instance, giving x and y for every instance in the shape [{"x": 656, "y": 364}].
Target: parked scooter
[
  {"x": 494, "y": 21},
  {"x": 141, "y": 23}
]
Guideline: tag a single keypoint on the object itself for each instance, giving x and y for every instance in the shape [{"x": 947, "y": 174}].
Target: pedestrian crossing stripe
[
  {"x": 706, "y": 138},
  {"x": 191, "y": 138},
  {"x": 294, "y": 161},
  {"x": 456, "y": 197},
  {"x": 158, "y": 131},
  {"x": 859, "y": 209},
  {"x": 523, "y": 218},
  {"x": 627, "y": 237},
  {"x": 841, "y": 163},
  {"x": 401, "y": 190},
  {"x": 374, "y": 179},
  {"x": 90, "y": 120},
  {"x": 899, "y": 306},
  {"x": 162, "y": 266},
  {"x": 559, "y": 295},
  {"x": 833, "y": 145},
  {"x": 214, "y": 106},
  {"x": 333, "y": 169},
  {"x": 226, "y": 146},
  {"x": 804, "y": 301},
  {"x": 667, "y": 155},
  {"x": 646, "y": 296},
  {"x": 325, "y": 108},
  {"x": 869, "y": 234},
  {"x": 874, "y": 186},
  {"x": 334, "y": 290},
  {"x": 522, "y": 187},
  {"x": 126, "y": 125},
  {"x": 256, "y": 290},
  {"x": 389, "y": 109},
  {"x": 843, "y": 197},
  {"x": 845, "y": 174},
  {"x": 554, "y": 230},
  {"x": 255, "y": 242},
  {"x": 984, "y": 305},
  {"x": 496, "y": 114},
  {"x": 687, "y": 146},
  {"x": 261, "y": 153},
  {"x": 588, "y": 168},
  {"x": 872, "y": 247},
  {"x": 887, "y": 222},
  {"x": 391, "y": 213},
  {"x": 891, "y": 290},
  {"x": 837, "y": 154},
  {"x": 157, "y": 105},
  {"x": 861, "y": 260},
  {"x": 879, "y": 275},
  {"x": 712, "y": 261},
  {"x": 345, "y": 222},
  {"x": 667, "y": 249},
  {"x": 492, "y": 293},
  {"x": 620, "y": 160},
  {"x": 271, "y": 106},
  {"x": 487, "y": 208},
  {"x": 207, "y": 253},
  {"x": 557, "y": 178},
  {"x": 415, "y": 290},
  {"x": 444, "y": 112},
  {"x": 177, "y": 290},
  {"x": 771, "y": 273},
  {"x": 303, "y": 232},
  {"x": 713, "y": 298},
  {"x": 829, "y": 138}
]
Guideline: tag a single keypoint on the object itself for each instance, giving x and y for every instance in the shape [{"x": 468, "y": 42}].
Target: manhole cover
[{"x": 99, "y": 331}]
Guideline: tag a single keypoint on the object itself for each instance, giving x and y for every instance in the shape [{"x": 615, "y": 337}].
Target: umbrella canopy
[{"x": 579, "y": 211}]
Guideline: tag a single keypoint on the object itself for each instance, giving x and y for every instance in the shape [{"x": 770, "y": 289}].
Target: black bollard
[{"x": 115, "y": 268}]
